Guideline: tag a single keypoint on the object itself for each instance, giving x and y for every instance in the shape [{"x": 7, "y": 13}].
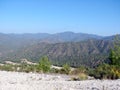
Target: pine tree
[
  {"x": 115, "y": 52},
  {"x": 44, "y": 64}
]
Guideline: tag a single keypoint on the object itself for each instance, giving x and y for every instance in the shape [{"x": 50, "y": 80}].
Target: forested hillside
[{"x": 73, "y": 48}]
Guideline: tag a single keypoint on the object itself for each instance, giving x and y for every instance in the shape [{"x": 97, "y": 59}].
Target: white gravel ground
[{"x": 32, "y": 81}]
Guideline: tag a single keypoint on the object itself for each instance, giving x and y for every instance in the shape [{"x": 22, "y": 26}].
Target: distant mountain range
[{"x": 66, "y": 47}]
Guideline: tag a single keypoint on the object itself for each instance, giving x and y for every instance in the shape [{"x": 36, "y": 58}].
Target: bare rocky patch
[{"x": 35, "y": 81}]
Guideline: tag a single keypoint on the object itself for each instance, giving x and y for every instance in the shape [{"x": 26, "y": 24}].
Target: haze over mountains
[{"x": 66, "y": 47}]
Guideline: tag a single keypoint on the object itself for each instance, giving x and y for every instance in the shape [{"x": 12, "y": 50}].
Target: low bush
[
  {"x": 79, "y": 70},
  {"x": 106, "y": 71},
  {"x": 65, "y": 69},
  {"x": 81, "y": 76},
  {"x": 7, "y": 67}
]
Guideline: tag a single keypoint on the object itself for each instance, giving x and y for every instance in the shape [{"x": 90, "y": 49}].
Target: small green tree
[
  {"x": 66, "y": 69},
  {"x": 44, "y": 64}
]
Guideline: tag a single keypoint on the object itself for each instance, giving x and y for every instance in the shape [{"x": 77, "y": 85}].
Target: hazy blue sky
[{"x": 100, "y": 17}]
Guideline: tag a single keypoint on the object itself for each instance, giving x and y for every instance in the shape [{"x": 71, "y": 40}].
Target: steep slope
[
  {"x": 88, "y": 53},
  {"x": 68, "y": 47},
  {"x": 10, "y": 43}
]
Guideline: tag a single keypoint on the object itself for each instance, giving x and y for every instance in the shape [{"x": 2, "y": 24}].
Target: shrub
[
  {"x": 80, "y": 76},
  {"x": 65, "y": 69},
  {"x": 106, "y": 71},
  {"x": 7, "y": 67},
  {"x": 54, "y": 70},
  {"x": 79, "y": 70}
]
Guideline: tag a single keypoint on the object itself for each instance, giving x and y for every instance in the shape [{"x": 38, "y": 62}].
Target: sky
[{"x": 101, "y": 17}]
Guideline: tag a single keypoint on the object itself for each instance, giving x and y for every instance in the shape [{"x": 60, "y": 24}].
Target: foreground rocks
[{"x": 32, "y": 81}]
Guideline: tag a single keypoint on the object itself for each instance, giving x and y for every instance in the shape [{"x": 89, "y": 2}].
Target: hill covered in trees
[{"x": 73, "y": 48}]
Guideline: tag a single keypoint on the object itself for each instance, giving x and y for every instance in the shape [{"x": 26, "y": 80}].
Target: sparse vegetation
[
  {"x": 43, "y": 66},
  {"x": 7, "y": 67},
  {"x": 111, "y": 70},
  {"x": 80, "y": 76},
  {"x": 79, "y": 70},
  {"x": 106, "y": 71},
  {"x": 79, "y": 73}
]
